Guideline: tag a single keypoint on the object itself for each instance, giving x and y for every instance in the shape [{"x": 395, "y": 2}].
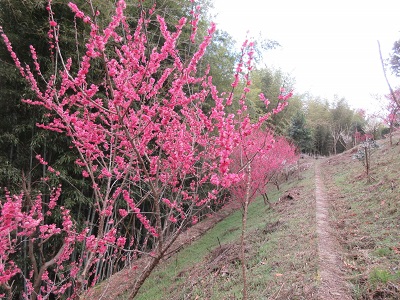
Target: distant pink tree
[
  {"x": 268, "y": 155},
  {"x": 252, "y": 144},
  {"x": 285, "y": 158},
  {"x": 144, "y": 145},
  {"x": 362, "y": 137},
  {"x": 393, "y": 109},
  {"x": 257, "y": 156},
  {"x": 393, "y": 97}
]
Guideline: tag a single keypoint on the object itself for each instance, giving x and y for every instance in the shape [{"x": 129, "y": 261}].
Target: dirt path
[{"x": 332, "y": 285}]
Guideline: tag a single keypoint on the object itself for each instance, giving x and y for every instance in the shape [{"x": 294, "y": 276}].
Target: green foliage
[
  {"x": 26, "y": 23},
  {"x": 383, "y": 252},
  {"x": 269, "y": 82},
  {"x": 380, "y": 276},
  {"x": 221, "y": 58},
  {"x": 317, "y": 116},
  {"x": 299, "y": 133},
  {"x": 395, "y": 58},
  {"x": 341, "y": 118},
  {"x": 333, "y": 125}
]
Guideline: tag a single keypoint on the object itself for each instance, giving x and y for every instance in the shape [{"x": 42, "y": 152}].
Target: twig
[{"x": 277, "y": 294}]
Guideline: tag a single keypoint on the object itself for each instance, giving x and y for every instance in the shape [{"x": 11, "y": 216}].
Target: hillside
[
  {"x": 366, "y": 220},
  {"x": 288, "y": 257}
]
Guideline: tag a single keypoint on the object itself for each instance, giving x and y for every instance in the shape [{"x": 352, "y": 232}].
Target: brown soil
[{"x": 332, "y": 283}]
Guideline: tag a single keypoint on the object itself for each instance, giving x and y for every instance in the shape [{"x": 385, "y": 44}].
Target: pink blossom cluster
[
  {"x": 393, "y": 109},
  {"x": 266, "y": 155}
]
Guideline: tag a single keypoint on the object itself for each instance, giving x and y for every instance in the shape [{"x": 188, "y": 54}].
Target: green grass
[
  {"x": 383, "y": 252},
  {"x": 380, "y": 276},
  {"x": 167, "y": 274}
]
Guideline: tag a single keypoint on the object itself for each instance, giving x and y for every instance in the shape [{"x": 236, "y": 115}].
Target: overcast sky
[{"x": 330, "y": 47}]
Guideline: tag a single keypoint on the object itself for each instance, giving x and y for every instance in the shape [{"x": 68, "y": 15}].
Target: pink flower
[
  {"x": 123, "y": 212},
  {"x": 121, "y": 242},
  {"x": 214, "y": 179},
  {"x": 172, "y": 219}
]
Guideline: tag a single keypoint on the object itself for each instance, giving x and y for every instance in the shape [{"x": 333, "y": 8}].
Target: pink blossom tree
[
  {"x": 393, "y": 108},
  {"x": 144, "y": 145},
  {"x": 251, "y": 145},
  {"x": 279, "y": 159},
  {"x": 269, "y": 155},
  {"x": 393, "y": 97},
  {"x": 257, "y": 158}
]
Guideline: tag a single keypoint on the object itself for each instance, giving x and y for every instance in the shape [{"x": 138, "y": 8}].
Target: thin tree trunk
[
  {"x": 266, "y": 199},
  {"x": 242, "y": 238},
  {"x": 38, "y": 279},
  {"x": 367, "y": 163},
  {"x": 143, "y": 276},
  {"x": 152, "y": 264},
  {"x": 277, "y": 183},
  {"x": 298, "y": 169},
  {"x": 391, "y": 134}
]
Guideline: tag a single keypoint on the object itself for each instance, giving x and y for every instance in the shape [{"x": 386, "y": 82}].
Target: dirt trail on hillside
[{"x": 332, "y": 285}]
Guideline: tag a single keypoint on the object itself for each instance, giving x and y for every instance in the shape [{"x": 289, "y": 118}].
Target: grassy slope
[
  {"x": 366, "y": 216},
  {"x": 282, "y": 257}
]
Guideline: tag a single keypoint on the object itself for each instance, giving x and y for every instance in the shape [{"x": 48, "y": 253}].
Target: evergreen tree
[
  {"x": 395, "y": 58},
  {"x": 299, "y": 133},
  {"x": 272, "y": 83}
]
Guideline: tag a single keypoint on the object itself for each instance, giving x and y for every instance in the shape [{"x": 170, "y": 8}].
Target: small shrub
[
  {"x": 383, "y": 252},
  {"x": 380, "y": 276},
  {"x": 364, "y": 153}
]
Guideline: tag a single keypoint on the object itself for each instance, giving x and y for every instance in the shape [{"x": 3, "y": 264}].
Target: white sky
[{"x": 330, "y": 47}]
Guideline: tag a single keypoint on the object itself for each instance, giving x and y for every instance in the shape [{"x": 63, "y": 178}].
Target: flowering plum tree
[
  {"x": 393, "y": 108},
  {"x": 251, "y": 145},
  {"x": 257, "y": 158},
  {"x": 267, "y": 155},
  {"x": 365, "y": 150},
  {"x": 144, "y": 144},
  {"x": 282, "y": 157}
]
